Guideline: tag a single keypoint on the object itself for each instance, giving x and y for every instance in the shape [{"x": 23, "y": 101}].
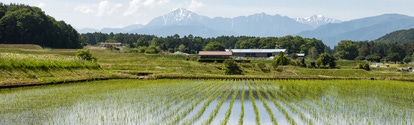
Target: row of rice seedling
[
  {"x": 184, "y": 99},
  {"x": 209, "y": 89},
  {"x": 208, "y": 93},
  {"x": 233, "y": 98},
  {"x": 289, "y": 95},
  {"x": 268, "y": 109},
  {"x": 216, "y": 110},
  {"x": 256, "y": 111},
  {"x": 179, "y": 92},
  {"x": 242, "y": 104},
  {"x": 145, "y": 102},
  {"x": 269, "y": 93},
  {"x": 360, "y": 102},
  {"x": 200, "y": 112}
]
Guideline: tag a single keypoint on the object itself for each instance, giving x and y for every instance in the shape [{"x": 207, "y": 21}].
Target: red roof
[{"x": 215, "y": 53}]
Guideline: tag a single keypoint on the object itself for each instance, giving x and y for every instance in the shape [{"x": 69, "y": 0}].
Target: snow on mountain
[
  {"x": 178, "y": 16},
  {"x": 317, "y": 20}
]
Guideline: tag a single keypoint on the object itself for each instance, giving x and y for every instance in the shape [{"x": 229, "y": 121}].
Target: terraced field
[{"x": 211, "y": 102}]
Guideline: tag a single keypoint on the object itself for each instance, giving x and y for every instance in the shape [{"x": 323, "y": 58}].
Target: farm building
[
  {"x": 215, "y": 54},
  {"x": 117, "y": 45},
  {"x": 301, "y": 54},
  {"x": 258, "y": 53}
]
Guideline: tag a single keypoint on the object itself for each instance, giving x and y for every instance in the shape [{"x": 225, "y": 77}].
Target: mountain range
[{"x": 330, "y": 31}]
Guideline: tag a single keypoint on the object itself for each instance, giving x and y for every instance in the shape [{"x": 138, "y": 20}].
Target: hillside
[
  {"x": 369, "y": 28},
  {"x": 23, "y": 24},
  {"x": 400, "y": 36}
]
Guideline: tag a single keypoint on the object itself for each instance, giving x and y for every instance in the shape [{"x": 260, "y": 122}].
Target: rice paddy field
[{"x": 294, "y": 102}]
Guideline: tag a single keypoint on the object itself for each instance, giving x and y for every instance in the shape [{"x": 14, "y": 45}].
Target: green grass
[
  {"x": 36, "y": 66},
  {"x": 20, "y": 46},
  {"x": 118, "y": 64},
  {"x": 12, "y": 61}
]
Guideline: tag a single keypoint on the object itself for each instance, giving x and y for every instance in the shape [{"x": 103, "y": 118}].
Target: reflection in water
[{"x": 194, "y": 102}]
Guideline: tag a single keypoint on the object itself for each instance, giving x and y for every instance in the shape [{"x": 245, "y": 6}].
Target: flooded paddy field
[{"x": 211, "y": 102}]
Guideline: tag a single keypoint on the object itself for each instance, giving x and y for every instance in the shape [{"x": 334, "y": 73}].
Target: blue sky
[{"x": 120, "y": 13}]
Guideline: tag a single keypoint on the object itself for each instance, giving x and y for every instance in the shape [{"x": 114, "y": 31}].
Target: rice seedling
[
  {"x": 200, "y": 112},
  {"x": 209, "y": 89},
  {"x": 188, "y": 96},
  {"x": 273, "y": 98},
  {"x": 215, "y": 111},
  {"x": 233, "y": 98},
  {"x": 268, "y": 110},
  {"x": 256, "y": 111},
  {"x": 289, "y": 95},
  {"x": 145, "y": 101},
  {"x": 242, "y": 105}
]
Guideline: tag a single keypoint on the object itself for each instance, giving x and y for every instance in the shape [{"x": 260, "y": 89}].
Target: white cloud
[
  {"x": 134, "y": 5},
  {"x": 41, "y": 5},
  {"x": 103, "y": 6},
  {"x": 115, "y": 8},
  {"x": 101, "y": 9},
  {"x": 163, "y": 2},
  {"x": 149, "y": 3},
  {"x": 85, "y": 9},
  {"x": 195, "y": 5}
]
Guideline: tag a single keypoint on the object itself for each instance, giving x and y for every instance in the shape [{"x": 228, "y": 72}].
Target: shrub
[
  {"x": 359, "y": 66},
  {"x": 152, "y": 50},
  {"x": 263, "y": 67},
  {"x": 85, "y": 55},
  {"x": 142, "y": 49},
  {"x": 282, "y": 59},
  {"x": 366, "y": 67},
  {"x": 230, "y": 67}
]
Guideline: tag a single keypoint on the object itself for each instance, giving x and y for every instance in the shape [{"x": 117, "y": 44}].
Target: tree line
[
  {"x": 193, "y": 44},
  {"x": 23, "y": 24},
  {"x": 375, "y": 51}
]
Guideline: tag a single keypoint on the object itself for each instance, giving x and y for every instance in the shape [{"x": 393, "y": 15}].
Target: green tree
[
  {"x": 152, "y": 50},
  {"x": 393, "y": 57},
  {"x": 346, "y": 49},
  {"x": 181, "y": 48},
  {"x": 326, "y": 59},
  {"x": 407, "y": 59},
  {"x": 282, "y": 59},
  {"x": 23, "y": 24},
  {"x": 230, "y": 67},
  {"x": 214, "y": 46},
  {"x": 373, "y": 58},
  {"x": 312, "y": 53}
]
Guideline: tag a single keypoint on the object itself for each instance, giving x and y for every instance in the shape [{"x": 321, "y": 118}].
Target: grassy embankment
[{"x": 31, "y": 64}]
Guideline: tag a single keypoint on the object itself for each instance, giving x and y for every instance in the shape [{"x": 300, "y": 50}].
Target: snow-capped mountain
[
  {"x": 317, "y": 20},
  {"x": 179, "y": 16},
  {"x": 182, "y": 21},
  {"x": 331, "y": 31}
]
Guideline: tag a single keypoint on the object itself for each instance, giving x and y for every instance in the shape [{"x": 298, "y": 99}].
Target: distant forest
[
  {"x": 386, "y": 50},
  {"x": 193, "y": 44},
  {"x": 23, "y": 24}
]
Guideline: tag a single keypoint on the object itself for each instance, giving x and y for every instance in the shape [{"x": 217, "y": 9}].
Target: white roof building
[{"x": 256, "y": 52}]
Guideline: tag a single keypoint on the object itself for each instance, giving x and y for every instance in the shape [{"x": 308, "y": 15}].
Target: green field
[
  {"x": 176, "y": 89},
  {"x": 29, "y": 64},
  {"x": 211, "y": 102}
]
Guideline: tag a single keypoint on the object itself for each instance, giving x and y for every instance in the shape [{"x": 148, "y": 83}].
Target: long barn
[{"x": 258, "y": 53}]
